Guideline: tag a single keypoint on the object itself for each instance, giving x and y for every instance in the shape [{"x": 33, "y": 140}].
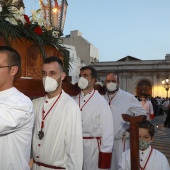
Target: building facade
[
  {"x": 138, "y": 76},
  {"x": 75, "y": 63},
  {"x": 87, "y": 52}
]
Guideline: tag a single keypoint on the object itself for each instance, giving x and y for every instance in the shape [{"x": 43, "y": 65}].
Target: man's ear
[
  {"x": 63, "y": 75},
  {"x": 14, "y": 70},
  {"x": 93, "y": 80}
]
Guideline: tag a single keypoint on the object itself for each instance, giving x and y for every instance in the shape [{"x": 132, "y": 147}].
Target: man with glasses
[{"x": 16, "y": 115}]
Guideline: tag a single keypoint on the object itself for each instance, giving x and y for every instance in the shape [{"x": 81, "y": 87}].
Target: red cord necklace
[
  {"x": 41, "y": 133},
  {"x": 110, "y": 99},
  {"x": 85, "y": 102},
  {"x": 143, "y": 168}
]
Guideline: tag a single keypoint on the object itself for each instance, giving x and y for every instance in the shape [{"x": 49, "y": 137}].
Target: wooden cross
[{"x": 134, "y": 138}]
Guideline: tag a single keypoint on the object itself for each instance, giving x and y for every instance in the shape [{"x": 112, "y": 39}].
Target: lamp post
[
  {"x": 166, "y": 85},
  {"x": 55, "y": 12}
]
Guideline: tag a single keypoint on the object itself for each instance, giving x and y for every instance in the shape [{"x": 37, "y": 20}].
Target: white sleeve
[
  {"x": 124, "y": 162},
  {"x": 106, "y": 123},
  {"x": 15, "y": 114},
  {"x": 74, "y": 139},
  {"x": 135, "y": 107},
  {"x": 107, "y": 139}
]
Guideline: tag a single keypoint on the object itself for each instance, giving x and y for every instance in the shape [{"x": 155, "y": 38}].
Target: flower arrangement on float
[{"x": 15, "y": 24}]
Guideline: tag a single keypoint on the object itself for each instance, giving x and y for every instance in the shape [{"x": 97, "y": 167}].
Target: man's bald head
[{"x": 112, "y": 77}]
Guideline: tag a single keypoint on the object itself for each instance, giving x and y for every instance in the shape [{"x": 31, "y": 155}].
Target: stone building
[
  {"x": 138, "y": 76},
  {"x": 87, "y": 52}
]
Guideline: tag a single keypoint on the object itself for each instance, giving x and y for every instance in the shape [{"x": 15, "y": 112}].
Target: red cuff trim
[
  {"x": 104, "y": 160},
  {"x": 152, "y": 116}
]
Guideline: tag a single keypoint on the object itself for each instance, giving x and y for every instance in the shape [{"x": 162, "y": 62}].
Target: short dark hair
[
  {"x": 13, "y": 56},
  {"x": 93, "y": 71},
  {"x": 54, "y": 59},
  {"x": 147, "y": 125},
  {"x": 144, "y": 95},
  {"x": 114, "y": 73}
]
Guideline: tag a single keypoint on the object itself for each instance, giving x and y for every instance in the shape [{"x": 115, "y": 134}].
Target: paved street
[{"x": 162, "y": 136}]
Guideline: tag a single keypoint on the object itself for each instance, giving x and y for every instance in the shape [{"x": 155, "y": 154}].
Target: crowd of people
[
  {"x": 157, "y": 106},
  {"x": 58, "y": 131}
]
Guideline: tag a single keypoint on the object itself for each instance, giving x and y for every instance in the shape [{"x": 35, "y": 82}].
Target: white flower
[
  {"x": 0, "y": 8},
  {"x": 55, "y": 34},
  {"x": 41, "y": 19},
  {"x": 21, "y": 11},
  {"x": 22, "y": 19},
  {"x": 13, "y": 10},
  {"x": 34, "y": 16},
  {"x": 11, "y": 20}
]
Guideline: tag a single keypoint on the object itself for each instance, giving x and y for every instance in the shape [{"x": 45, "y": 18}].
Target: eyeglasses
[{"x": 5, "y": 66}]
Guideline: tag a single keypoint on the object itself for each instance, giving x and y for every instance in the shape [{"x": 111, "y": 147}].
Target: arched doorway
[{"x": 144, "y": 86}]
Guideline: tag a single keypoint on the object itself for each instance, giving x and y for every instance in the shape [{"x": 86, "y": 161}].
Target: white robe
[
  {"x": 96, "y": 122},
  {"x": 16, "y": 123},
  {"x": 122, "y": 103},
  {"x": 62, "y": 144},
  {"x": 148, "y": 107},
  {"x": 157, "y": 160}
]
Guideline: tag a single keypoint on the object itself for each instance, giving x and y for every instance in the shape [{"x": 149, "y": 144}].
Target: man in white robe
[
  {"x": 120, "y": 102},
  {"x": 16, "y": 115},
  {"x": 57, "y": 136},
  {"x": 97, "y": 123},
  {"x": 150, "y": 158}
]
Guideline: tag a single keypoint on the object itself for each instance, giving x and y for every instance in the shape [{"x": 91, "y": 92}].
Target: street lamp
[
  {"x": 166, "y": 85},
  {"x": 55, "y": 13}
]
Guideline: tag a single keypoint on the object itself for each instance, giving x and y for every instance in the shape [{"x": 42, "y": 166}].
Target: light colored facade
[
  {"x": 87, "y": 52},
  {"x": 138, "y": 76},
  {"x": 76, "y": 63}
]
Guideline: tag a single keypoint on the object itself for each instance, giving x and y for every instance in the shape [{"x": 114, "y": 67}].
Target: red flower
[
  {"x": 38, "y": 30},
  {"x": 27, "y": 19}
]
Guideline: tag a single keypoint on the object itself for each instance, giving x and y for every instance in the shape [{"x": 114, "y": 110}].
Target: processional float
[{"x": 35, "y": 38}]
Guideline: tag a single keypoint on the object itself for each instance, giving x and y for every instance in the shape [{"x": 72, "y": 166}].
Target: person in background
[
  {"x": 167, "y": 120},
  {"x": 16, "y": 115},
  {"x": 120, "y": 102},
  {"x": 147, "y": 105},
  {"x": 150, "y": 158},
  {"x": 155, "y": 106},
  {"x": 57, "y": 136},
  {"x": 97, "y": 123},
  {"x": 165, "y": 105}
]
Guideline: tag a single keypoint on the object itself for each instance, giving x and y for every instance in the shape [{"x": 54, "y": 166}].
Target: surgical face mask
[
  {"x": 83, "y": 83},
  {"x": 50, "y": 84},
  {"x": 111, "y": 86},
  {"x": 143, "y": 145}
]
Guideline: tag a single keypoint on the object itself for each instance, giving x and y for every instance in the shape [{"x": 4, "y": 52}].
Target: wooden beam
[{"x": 134, "y": 138}]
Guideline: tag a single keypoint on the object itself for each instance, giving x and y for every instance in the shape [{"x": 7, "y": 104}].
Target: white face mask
[
  {"x": 82, "y": 83},
  {"x": 111, "y": 86},
  {"x": 50, "y": 84}
]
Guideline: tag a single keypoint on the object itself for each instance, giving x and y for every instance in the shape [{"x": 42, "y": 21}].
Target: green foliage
[{"x": 16, "y": 25}]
